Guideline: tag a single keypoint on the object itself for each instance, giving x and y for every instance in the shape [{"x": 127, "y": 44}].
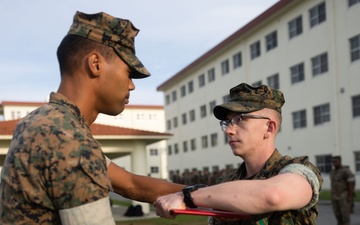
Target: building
[{"x": 309, "y": 49}]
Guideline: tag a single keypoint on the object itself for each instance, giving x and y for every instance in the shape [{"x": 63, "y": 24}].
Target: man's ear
[
  {"x": 271, "y": 130},
  {"x": 94, "y": 64}
]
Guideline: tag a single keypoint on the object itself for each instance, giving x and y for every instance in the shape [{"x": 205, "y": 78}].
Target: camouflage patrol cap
[
  {"x": 245, "y": 98},
  {"x": 114, "y": 32}
]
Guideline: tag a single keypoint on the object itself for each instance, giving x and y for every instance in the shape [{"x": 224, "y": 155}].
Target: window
[
  {"x": 297, "y": 73},
  {"x": 183, "y": 90},
  {"x": 153, "y": 116},
  {"x": 202, "y": 80},
  {"x": 295, "y": 27},
  {"x": 169, "y": 150},
  {"x": 237, "y": 60},
  {"x": 324, "y": 163},
  {"x": 185, "y": 146},
  {"x": 317, "y": 14},
  {"x": 175, "y": 122},
  {"x": 184, "y": 118},
  {"x": 355, "y": 48},
  {"x": 319, "y": 64},
  {"x": 174, "y": 96},
  {"x": 176, "y": 148},
  {"x": 255, "y": 50},
  {"x": 212, "y": 105},
  {"x": 214, "y": 139},
  {"x": 193, "y": 144},
  {"x": 256, "y": 84},
  {"x": 353, "y": 2},
  {"x": 271, "y": 41},
  {"x": 299, "y": 119},
  {"x": 192, "y": 115},
  {"x": 167, "y": 99},
  {"x": 203, "y": 111},
  {"x": 226, "y": 98},
  {"x": 140, "y": 116},
  {"x": 190, "y": 86},
  {"x": 273, "y": 81},
  {"x": 226, "y": 138},
  {"x": 153, "y": 151},
  {"x": 204, "y": 141},
  {"x": 225, "y": 67},
  {"x": 356, "y": 106},
  {"x": 321, "y": 114},
  {"x": 211, "y": 75},
  {"x": 154, "y": 169},
  {"x": 168, "y": 124},
  {"x": 357, "y": 161}
]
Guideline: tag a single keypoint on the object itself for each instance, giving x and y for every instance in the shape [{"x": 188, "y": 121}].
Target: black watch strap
[{"x": 187, "y": 194}]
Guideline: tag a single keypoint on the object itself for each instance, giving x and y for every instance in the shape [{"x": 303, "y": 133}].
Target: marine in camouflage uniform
[
  {"x": 245, "y": 98},
  {"x": 267, "y": 186},
  {"x": 275, "y": 165},
  {"x": 54, "y": 163},
  {"x": 342, "y": 191},
  {"x": 55, "y": 171}
]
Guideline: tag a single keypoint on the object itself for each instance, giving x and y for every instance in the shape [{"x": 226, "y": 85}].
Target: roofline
[
  {"x": 14, "y": 103},
  {"x": 131, "y": 137},
  {"x": 249, "y": 26},
  {"x": 23, "y": 103}
]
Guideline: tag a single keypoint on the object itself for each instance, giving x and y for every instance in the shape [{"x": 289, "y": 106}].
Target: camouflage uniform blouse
[
  {"x": 53, "y": 163},
  {"x": 340, "y": 179},
  {"x": 304, "y": 216}
]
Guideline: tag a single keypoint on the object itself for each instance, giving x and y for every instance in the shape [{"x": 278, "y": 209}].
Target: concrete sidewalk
[{"x": 326, "y": 215}]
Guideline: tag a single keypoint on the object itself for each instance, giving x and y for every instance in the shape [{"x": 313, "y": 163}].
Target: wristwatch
[{"x": 187, "y": 194}]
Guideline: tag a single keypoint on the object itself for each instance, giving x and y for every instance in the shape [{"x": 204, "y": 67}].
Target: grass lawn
[{"x": 326, "y": 195}]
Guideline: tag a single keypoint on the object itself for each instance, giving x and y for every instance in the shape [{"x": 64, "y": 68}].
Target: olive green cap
[
  {"x": 245, "y": 98},
  {"x": 114, "y": 32}
]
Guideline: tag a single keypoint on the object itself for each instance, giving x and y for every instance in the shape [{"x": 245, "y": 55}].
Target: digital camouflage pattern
[
  {"x": 340, "y": 179},
  {"x": 114, "y": 32},
  {"x": 245, "y": 98},
  {"x": 304, "y": 216},
  {"x": 53, "y": 163}
]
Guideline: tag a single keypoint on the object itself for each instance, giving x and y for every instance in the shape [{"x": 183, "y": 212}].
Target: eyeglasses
[{"x": 237, "y": 120}]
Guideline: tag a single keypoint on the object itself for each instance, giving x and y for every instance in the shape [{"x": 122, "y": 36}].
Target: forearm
[
  {"x": 256, "y": 196},
  {"x": 351, "y": 189},
  {"x": 137, "y": 187},
  {"x": 147, "y": 189}
]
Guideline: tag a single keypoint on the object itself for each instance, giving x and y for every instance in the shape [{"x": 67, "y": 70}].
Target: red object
[{"x": 209, "y": 212}]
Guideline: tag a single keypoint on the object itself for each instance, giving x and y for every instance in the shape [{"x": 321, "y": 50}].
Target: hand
[{"x": 165, "y": 203}]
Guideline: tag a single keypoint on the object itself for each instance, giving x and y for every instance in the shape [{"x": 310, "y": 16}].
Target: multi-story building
[{"x": 309, "y": 49}]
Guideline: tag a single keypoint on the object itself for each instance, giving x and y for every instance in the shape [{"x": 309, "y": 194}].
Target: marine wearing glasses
[{"x": 237, "y": 120}]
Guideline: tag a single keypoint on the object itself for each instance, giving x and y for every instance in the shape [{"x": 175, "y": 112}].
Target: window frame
[
  {"x": 295, "y": 27},
  {"x": 317, "y": 14},
  {"x": 321, "y": 114},
  {"x": 297, "y": 73}
]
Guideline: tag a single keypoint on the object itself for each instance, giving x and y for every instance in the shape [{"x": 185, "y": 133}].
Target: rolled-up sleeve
[{"x": 310, "y": 176}]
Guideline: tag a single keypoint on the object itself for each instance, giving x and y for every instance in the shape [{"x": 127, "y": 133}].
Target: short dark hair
[{"x": 73, "y": 49}]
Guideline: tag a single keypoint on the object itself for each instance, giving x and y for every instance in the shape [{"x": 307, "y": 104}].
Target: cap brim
[
  {"x": 131, "y": 60},
  {"x": 221, "y": 111}
]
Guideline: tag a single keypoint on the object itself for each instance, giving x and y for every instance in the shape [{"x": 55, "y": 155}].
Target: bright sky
[{"x": 172, "y": 35}]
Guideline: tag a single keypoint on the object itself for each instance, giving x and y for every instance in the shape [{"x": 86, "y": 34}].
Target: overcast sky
[{"x": 172, "y": 35}]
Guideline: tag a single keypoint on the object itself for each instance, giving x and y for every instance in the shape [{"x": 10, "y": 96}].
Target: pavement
[{"x": 326, "y": 215}]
